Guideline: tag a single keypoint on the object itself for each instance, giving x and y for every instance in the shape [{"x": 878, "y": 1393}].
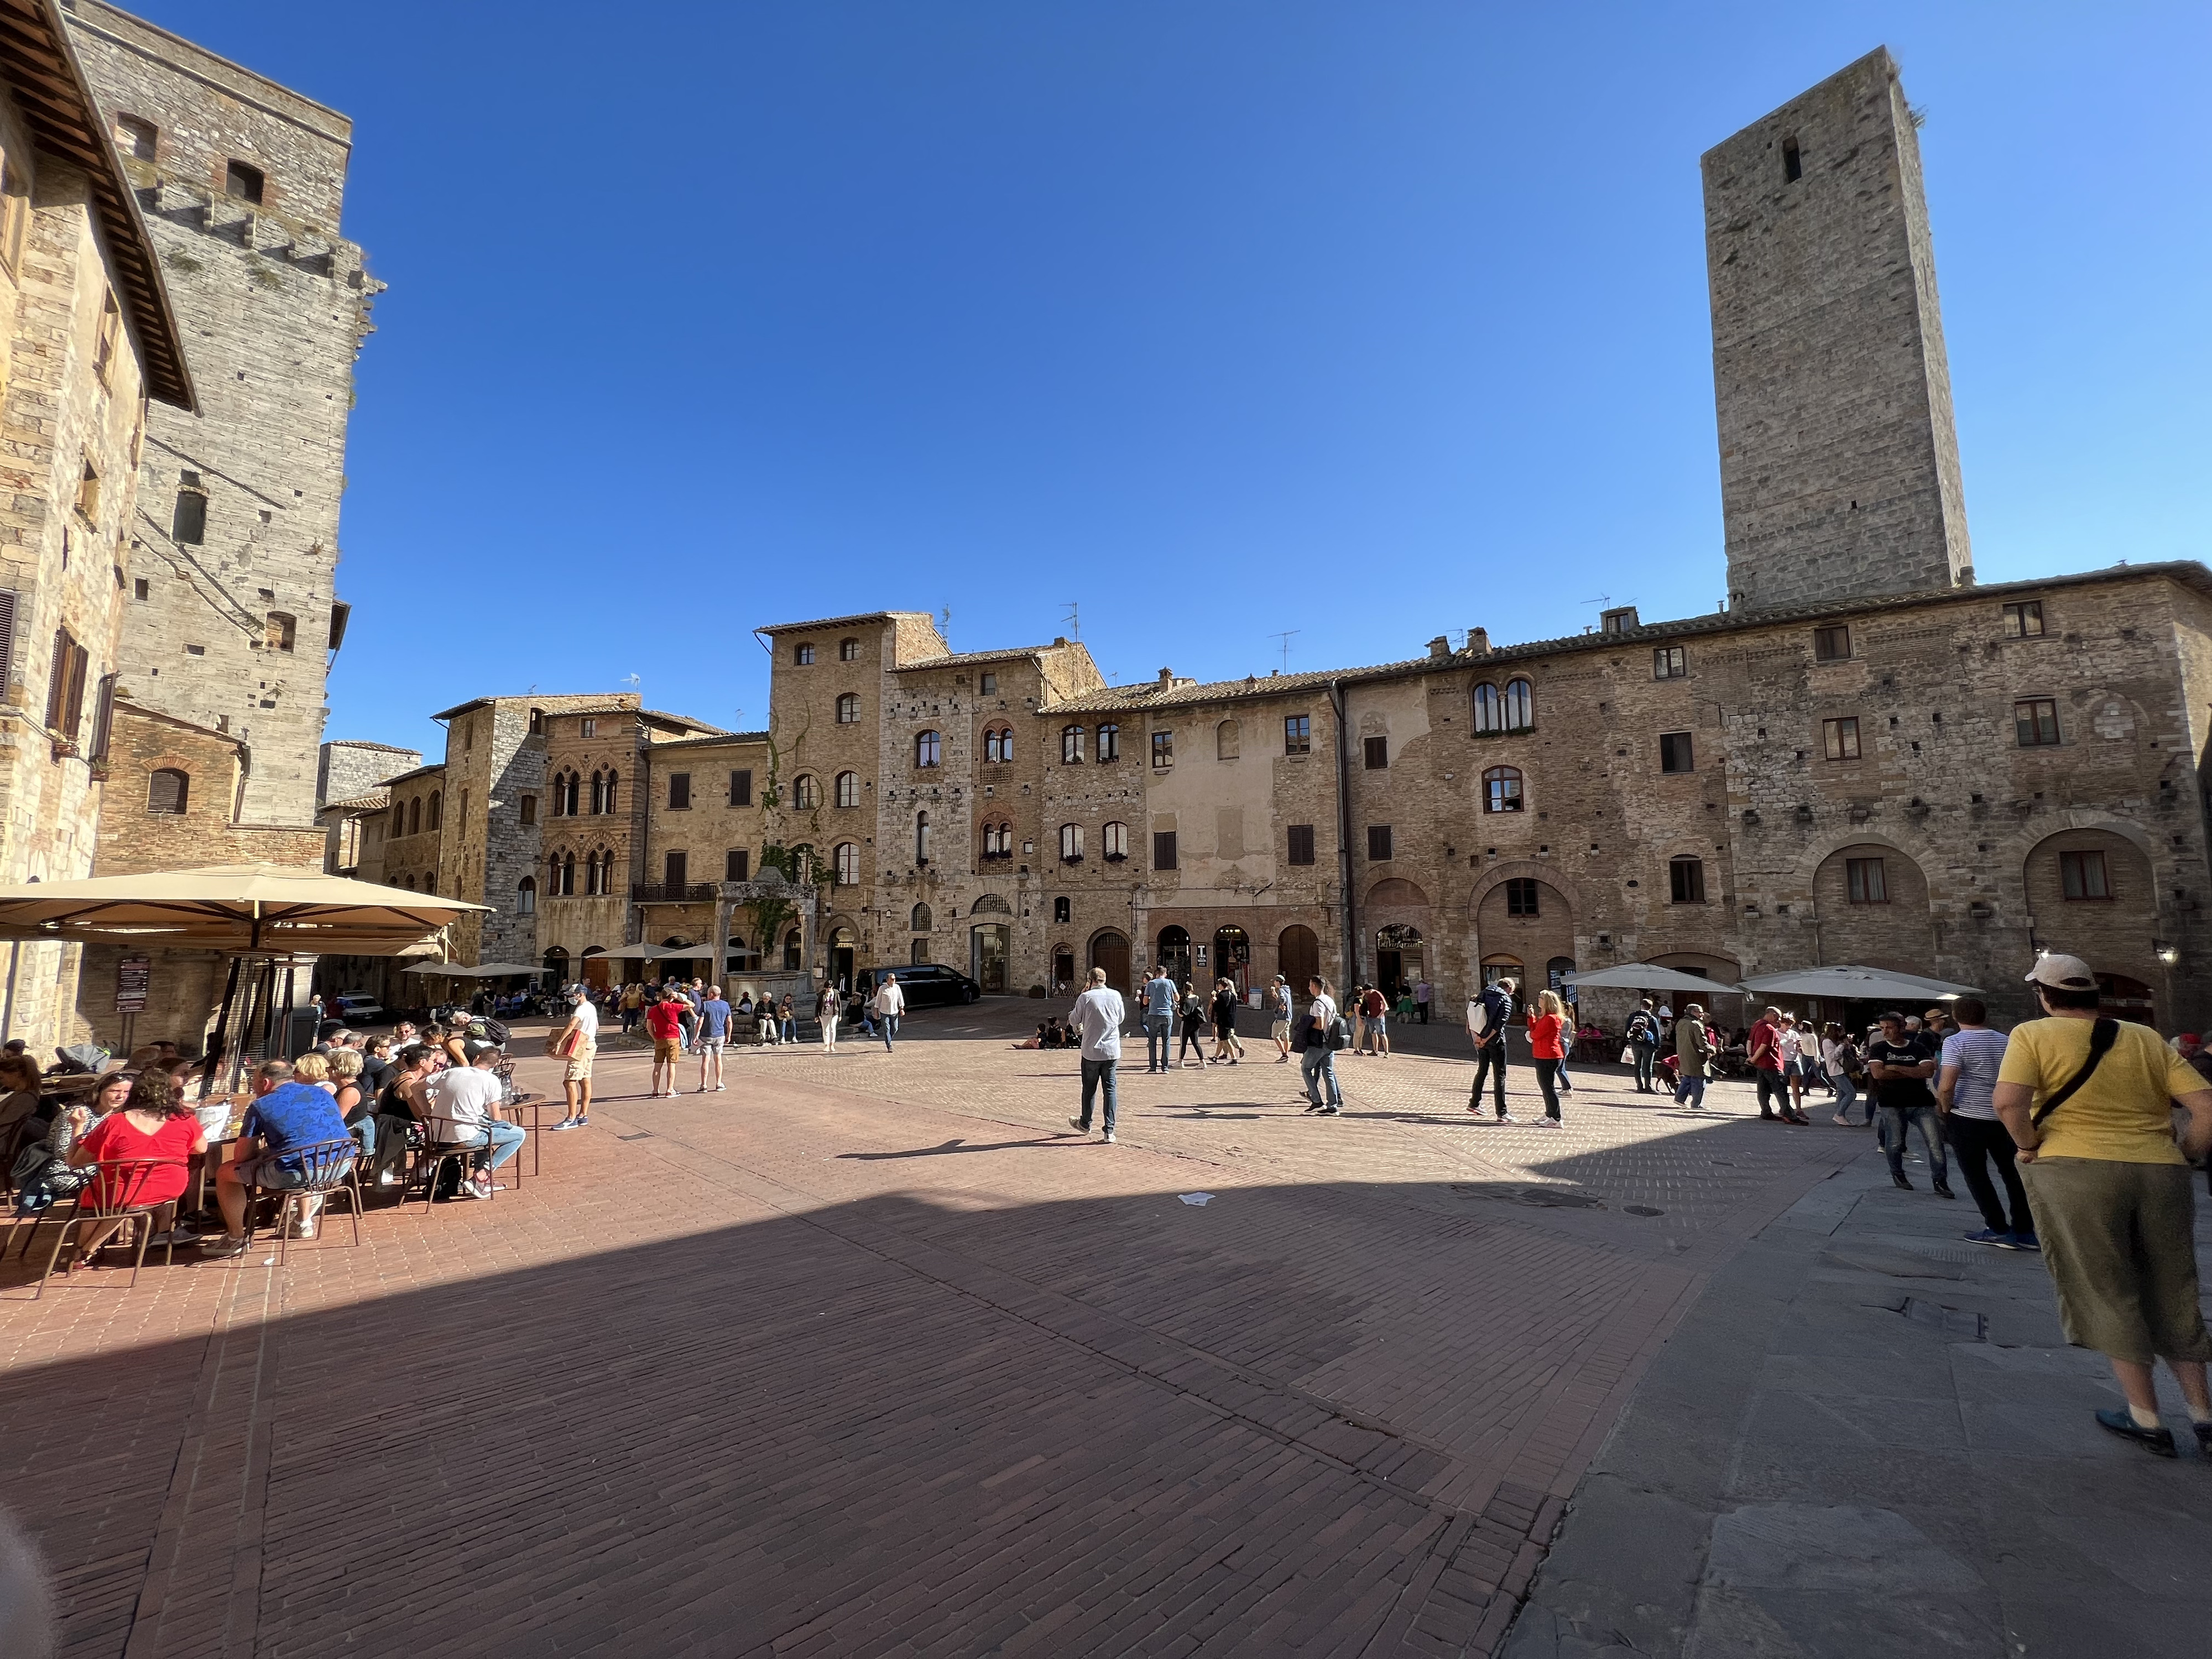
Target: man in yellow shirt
[{"x": 2089, "y": 1104}]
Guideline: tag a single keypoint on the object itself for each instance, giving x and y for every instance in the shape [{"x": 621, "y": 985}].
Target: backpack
[{"x": 1340, "y": 1033}]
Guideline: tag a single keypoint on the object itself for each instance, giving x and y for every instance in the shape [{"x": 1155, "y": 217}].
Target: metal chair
[
  {"x": 328, "y": 1168},
  {"x": 113, "y": 1192},
  {"x": 436, "y": 1151}
]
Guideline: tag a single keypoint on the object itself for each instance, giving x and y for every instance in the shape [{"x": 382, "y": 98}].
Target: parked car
[
  {"x": 357, "y": 1011},
  {"x": 926, "y": 984}
]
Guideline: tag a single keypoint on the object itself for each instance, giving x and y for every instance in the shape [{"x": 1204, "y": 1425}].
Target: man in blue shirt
[
  {"x": 284, "y": 1116},
  {"x": 1159, "y": 1020},
  {"x": 713, "y": 1032}
]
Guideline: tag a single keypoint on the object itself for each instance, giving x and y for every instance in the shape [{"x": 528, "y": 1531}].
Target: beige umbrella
[{"x": 261, "y": 909}]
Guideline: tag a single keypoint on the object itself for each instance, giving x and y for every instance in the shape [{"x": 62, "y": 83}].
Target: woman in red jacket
[{"x": 1548, "y": 1036}]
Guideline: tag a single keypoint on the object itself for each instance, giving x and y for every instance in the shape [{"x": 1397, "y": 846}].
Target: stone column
[{"x": 724, "y": 901}]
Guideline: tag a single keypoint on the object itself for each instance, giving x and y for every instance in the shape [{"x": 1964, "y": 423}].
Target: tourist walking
[
  {"x": 1226, "y": 1047},
  {"x": 1844, "y": 1065},
  {"x": 1965, "y": 1093},
  {"x": 1316, "y": 1041},
  {"x": 713, "y": 1035},
  {"x": 632, "y": 1005},
  {"x": 887, "y": 1004},
  {"x": 1377, "y": 1007},
  {"x": 828, "y": 1003},
  {"x": 1694, "y": 1057},
  {"x": 1902, "y": 1062},
  {"x": 1548, "y": 1035},
  {"x": 1765, "y": 1053},
  {"x": 1160, "y": 995},
  {"x": 1097, "y": 1018},
  {"x": 1279, "y": 1009},
  {"x": 1194, "y": 1025},
  {"x": 2088, "y": 1102},
  {"x": 577, "y": 1045},
  {"x": 1642, "y": 1040},
  {"x": 1487, "y": 1014}
]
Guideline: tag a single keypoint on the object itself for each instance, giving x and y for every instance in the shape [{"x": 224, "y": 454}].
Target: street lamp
[{"x": 2168, "y": 954}]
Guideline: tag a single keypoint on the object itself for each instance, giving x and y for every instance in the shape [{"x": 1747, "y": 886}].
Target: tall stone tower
[
  {"x": 1840, "y": 463},
  {"x": 233, "y": 611}
]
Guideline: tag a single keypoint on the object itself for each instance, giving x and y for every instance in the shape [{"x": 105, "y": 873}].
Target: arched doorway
[
  {"x": 557, "y": 968},
  {"x": 595, "y": 967},
  {"x": 1063, "y": 970},
  {"x": 1174, "y": 955},
  {"x": 843, "y": 957},
  {"x": 678, "y": 967},
  {"x": 986, "y": 955},
  {"x": 1297, "y": 957},
  {"x": 1232, "y": 956},
  {"x": 1111, "y": 952},
  {"x": 1495, "y": 967},
  {"x": 1398, "y": 956}
]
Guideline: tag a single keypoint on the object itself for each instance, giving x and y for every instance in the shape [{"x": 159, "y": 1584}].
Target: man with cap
[{"x": 2088, "y": 1102}]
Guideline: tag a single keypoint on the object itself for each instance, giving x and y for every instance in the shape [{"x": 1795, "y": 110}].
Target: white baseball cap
[{"x": 2061, "y": 973}]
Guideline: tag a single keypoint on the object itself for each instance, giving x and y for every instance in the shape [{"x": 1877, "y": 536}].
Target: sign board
[
  {"x": 134, "y": 975},
  {"x": 1199, "y": 951}
]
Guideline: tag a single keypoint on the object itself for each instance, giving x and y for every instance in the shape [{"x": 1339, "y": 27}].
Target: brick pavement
[{"x": 868, "y": 1356}]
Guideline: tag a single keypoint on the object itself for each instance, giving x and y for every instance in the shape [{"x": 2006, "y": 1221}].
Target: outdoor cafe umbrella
[
  {"x": 1847, "y": 984},
  {"x": 471, "y": 970},
  {"x": 1644, "y": 976},
  {"x": 259, "y": 913}
]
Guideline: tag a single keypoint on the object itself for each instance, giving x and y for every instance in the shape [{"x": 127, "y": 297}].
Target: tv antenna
[
  {"x": 1073, "y": 619},
  {"x": 944, "y": 622},
  {"x": 632, "y": 681},
  {"x": 1284, "y": 636}
]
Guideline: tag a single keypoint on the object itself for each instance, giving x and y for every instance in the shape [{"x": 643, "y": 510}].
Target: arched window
[
  {"x": 592, "y": 887},
  {"x": 922, "y": 838},
  {"x": 1109, "y": 743},
  {"x": 999, "y": 745},
  {"x": 415, "y": 816},
  {"x": 613, "y": 778},
  {"x": 526, "y": 895},
  {"x": 848, "y": 789},
  {"x": 998, "y": 839},
  {"x": 925, "y": 749},
  {"x": 1071, "y": 745},
  {"x": 921, "y": 918},
  {"x": 1501, "y": 789},
  {"x": 1489, "y": 708},
  {"x": 167, "y": 791},
  {"x": 437, "y": 807},
  {"x": 848, "y": 709},
  {"x": 1520, "y": 706},
  {"x": 399, "y": 819},
  {"x": 1113, "y": 843},
  {"x": 599, "y": 792},
  {"x": 1071, "y": 843},
  {"x": 1228, "y": 740},
  {"x": 793, "y": 951},
  {"x": 806, "y": 791},
  {"x": 846, "y": 864}
]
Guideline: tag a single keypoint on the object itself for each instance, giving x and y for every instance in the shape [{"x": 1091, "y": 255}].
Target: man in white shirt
[
  {"x": 579, "y": 1045},
  {"x": 461, "y": 1099},
  {"x": 1159, "y": 1020},
  {"x": 888, "y": 1004},
  {"x": 1096, "y": 1017},
  {"x": 1318, "y": 1043}
]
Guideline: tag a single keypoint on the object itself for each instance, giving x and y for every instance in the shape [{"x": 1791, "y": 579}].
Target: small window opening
[
  {"x": 1793, "y": 163},
  {"x": 242, "y": 183}
]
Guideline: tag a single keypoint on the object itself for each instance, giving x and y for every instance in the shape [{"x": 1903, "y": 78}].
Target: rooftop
[
  {"x": 370, "y": 803},
  {"x": 840, "y": 621}
]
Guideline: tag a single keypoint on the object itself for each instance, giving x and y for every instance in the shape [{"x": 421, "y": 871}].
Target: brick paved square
[{"x": 870, "y": 1355}]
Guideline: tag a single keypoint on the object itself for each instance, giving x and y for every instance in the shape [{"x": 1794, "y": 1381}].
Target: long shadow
[
  {"x": 880, "y": 1423},
  {"x": 948, "y": 1147}
]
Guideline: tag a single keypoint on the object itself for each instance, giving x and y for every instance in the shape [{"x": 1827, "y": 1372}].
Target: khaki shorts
[
  {"x": 666, "y": 1049},
  {"x": 2117, "y": 1240},
  {"x": 1280, "y": 1031},
  {"x": 578, "y": 1068}
]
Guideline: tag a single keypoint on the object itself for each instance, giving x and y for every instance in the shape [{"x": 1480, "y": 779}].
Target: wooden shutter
[
  {"x": 7, "y": 639},
  {"x": 103, "y": 719},
  {"x": 58, "y": 679}
]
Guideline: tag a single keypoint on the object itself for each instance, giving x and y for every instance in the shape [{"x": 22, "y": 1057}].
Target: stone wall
[
  {"x": 1840, "y": 463},
  {"x": 349, "y": 769},
  {"x": 233, "y": 629}
]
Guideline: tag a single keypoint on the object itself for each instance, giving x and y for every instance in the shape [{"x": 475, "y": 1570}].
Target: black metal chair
[
  {"x": 114, "y": 1191},
  {"x": 328, "y": 1168},
  {"x": 437, "y": 1151}
]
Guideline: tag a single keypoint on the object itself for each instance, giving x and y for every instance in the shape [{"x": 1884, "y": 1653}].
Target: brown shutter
[
  {"x": 103, "y": 719},
  {"x": 57, "y": 680},
  {"x": 7, "y": 638}
]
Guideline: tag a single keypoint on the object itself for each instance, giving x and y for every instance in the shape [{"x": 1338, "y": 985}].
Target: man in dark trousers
[{"x": 1486, "y": 1018}]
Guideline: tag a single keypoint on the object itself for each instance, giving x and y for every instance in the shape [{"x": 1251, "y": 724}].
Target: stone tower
[
  {"x": 1840, "y": 463},
  {"x": 233, "y": 611}
]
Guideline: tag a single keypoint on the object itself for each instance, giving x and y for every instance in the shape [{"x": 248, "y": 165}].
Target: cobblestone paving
[{"x": 871, "y": 1355}]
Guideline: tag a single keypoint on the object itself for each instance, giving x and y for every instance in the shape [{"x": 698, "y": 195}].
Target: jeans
[
  {"x": 1691, "y": 1091},
  {"x": 505, "y": 1141},
  {"x": 364, "y": 1133},
  {"x": 890, "y": 1031},
  {"x": 1160, "y": 1041},
  {"x": 1548, "y": 1075},
  {"x": 1094, "y": 1073},
  {"x": 1978, "y": 1141},
  {"x": 1647, "y": 1057},
  {"x": 1777, "y": 1086},
  {"x": 1317, "y": 1064},
  {"x": 1422, "y": 1009},
  {"x": 790, "y": 1028},
  {"x": 1490, "y": 1061},
  {"x": 1899, "y": 1121},
  {"x": 1847, "y": 1094}
]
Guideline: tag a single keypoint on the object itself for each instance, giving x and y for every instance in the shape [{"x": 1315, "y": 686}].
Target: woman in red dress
[{"x": 153, "y": 1124}]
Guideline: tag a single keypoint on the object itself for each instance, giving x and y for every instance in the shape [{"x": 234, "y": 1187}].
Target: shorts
[
  {"x": 1377, "y": 1024},
  {"x": 1280, "y": 1031},
  {"x": 578, "y": 1068},
  {"x": 2118, "y": 1242},
  {"x": 711, "y": 1046},
  {"x": 665, "y": 1049},
  {"x": 267, "y": 1173}
]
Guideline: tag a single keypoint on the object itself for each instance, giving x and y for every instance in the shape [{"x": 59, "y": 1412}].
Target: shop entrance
[{"x": 986, "y": 957}]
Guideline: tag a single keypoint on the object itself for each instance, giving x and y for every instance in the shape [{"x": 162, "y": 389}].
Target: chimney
[
  {"x": 1167, "y": 677},
  {"x": 1477, "y": 641},
  {"x": 1439, "y": 647}
]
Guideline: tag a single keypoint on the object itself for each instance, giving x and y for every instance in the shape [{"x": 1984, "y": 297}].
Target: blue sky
[{"x": 1369, "y": 322}]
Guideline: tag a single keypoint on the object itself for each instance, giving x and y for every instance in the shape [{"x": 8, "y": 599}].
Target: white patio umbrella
[
  {"x": 1849, "y": 983},
  {"x": 1644, "y": 976}
]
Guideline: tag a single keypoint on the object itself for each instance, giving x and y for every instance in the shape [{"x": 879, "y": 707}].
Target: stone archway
[
  {"x": 1399, "y": 909},
  {"x": 1111, "y": 951},
  {"x": 1870, "y": 899}
]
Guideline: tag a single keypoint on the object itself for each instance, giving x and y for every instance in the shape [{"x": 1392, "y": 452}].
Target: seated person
[
  {"x": 152, "y": 1123},
  {"x": 461, "y": 1099},
  {"x": 284, "y": 1116},
  {"x": 43, "y": 1171},
  {"x": 1044, "y": 1027}
]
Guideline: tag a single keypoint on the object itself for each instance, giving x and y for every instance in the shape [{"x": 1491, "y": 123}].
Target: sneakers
[
  {"x": 1839, "y": 1118},
  {"x": 1507, "y": 1117},
  {"x": 721, "y": 1088},
  {"x": 1107, "y": 1138},
  {"x": 1331, "y": 1111},
  {"x": 302, "y": 1229},
  {"x": 1944, "y": 1191},
  {"x": 392, "y": 1178},
  {"x": 2002, "y": 1241},
  {"x": 1079, "y": 1126},
  {"x": 1549, "y": 1123},
  {"x": 2158, "y": 1442},
  {"x": 1902, "y": 1182},
  {"x": 223, "y": 1248},
  {"x": 2026, "y": 1242},
  {"x": 565, "y": 1123}
]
